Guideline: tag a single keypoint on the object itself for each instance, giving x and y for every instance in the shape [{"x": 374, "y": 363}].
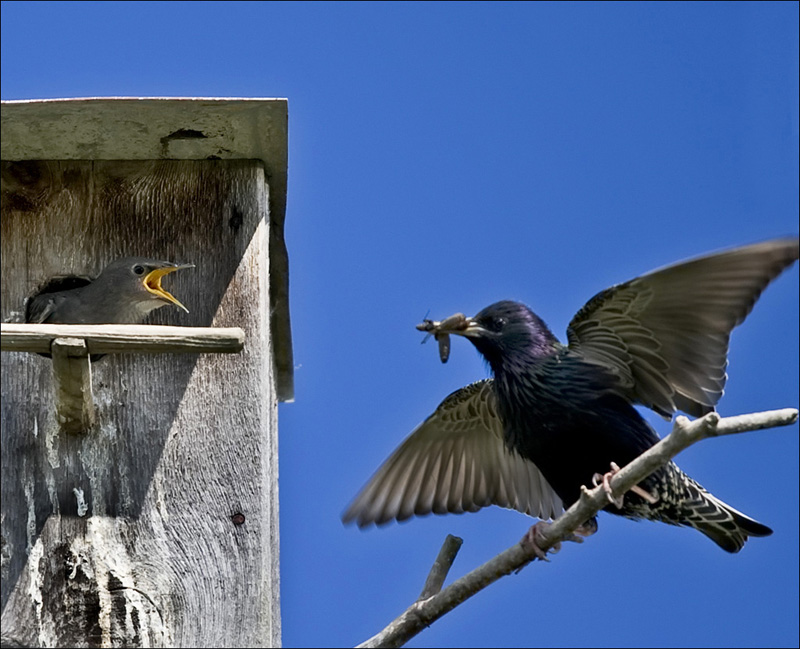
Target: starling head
[
  {"x": 124, "y": 293},
  {"x": 502, "y": 331}
]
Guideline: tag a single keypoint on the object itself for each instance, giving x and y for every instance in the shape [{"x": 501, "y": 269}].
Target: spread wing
[
  {"x": 666, "y": 333},
  {"x": 455, "y": 461}
]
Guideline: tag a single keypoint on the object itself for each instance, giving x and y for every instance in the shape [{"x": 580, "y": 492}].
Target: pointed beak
[{"x": 152, "y": 282}]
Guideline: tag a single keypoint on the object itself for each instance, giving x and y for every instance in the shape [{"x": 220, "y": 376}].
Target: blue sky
[{"x": 445, "y": 156}]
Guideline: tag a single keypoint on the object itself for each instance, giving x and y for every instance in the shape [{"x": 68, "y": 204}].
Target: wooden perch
[
  {"x": 115, "y": 339},
  {"x": 71, "y": 346},
  {"x": 424, "y": 612}
]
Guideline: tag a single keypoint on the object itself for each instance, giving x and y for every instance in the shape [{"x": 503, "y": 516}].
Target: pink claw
[{"x": 618, "y": 502}]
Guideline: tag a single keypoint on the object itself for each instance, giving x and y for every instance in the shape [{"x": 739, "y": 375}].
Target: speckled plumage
[
  {"x": 556, "y": 415},
  {"x": 568, "y": 416}
]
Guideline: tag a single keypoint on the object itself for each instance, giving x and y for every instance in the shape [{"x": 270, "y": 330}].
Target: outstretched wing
[
  {"x": 666, "y": 333},
  {"x": 455, "y": 461}
]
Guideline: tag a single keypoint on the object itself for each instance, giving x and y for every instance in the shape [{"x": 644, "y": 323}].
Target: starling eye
[
  {"x": 138, "y": 269},
  {"x": 494, "y": 323}
]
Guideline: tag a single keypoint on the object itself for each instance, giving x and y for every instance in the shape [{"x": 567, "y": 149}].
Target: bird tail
[{"x": 726, "y": 526}]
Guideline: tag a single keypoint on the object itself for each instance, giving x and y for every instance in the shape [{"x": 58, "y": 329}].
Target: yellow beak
[{"x": 152, "y": 282}]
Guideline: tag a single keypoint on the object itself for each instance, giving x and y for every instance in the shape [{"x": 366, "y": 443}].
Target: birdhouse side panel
[{"x": 167, "y": 508}]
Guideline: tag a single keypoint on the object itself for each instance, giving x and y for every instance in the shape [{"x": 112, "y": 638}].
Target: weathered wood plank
[
  {"x": 72, "y": 371},
  {"x": 161, "y": 527},
  {"x": 112, "y": 339},
  {"x": 187, "y": 128}
]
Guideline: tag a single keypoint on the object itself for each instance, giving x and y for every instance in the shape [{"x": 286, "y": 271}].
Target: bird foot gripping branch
[
  {"x": 619, "y": 502},
  {"x": 536, "y": 538},
  {"x": 535, "y": 542}
]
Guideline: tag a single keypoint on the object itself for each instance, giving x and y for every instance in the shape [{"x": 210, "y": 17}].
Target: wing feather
[
  {"x": 666, "y": 334},
  {"x": 455, "y": 461}
]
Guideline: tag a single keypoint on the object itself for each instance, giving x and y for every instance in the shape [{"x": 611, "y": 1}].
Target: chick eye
[{"x": 138, "y": 269}]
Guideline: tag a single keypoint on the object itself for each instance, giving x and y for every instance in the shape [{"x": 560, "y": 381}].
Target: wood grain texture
[
  {"x": 160, "y": 526},
  {"x": 186, "y": 128},
  {"x": 114, "y": 339},
  {"x": 72, "y": 375}
]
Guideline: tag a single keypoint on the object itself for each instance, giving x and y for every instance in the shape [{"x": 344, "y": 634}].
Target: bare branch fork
[{"x": 433, "y": 603}]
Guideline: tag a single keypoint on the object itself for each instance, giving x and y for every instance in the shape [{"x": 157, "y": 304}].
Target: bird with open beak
[
  {"x": 125, "y": 292},
  {"x": 555, "y": 417}
]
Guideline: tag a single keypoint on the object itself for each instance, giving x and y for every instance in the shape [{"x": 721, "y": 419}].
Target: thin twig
[
  {"x": 440, "y": 568},
  {"x": 424, "y": 612}
]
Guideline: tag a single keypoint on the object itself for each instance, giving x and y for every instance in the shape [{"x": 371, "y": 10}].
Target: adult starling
[
  {"x": 555, "y": 416},
  {"x": 124, "y": 293}
]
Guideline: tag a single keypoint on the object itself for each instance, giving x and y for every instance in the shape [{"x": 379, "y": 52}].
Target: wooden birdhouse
[{"x": 147, "y": 515}]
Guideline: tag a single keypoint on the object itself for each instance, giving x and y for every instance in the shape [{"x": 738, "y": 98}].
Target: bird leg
[
  {"x": 618, "y": 502},
  {"x": 533, "y": 540},
  {"x": 605, "y": 479}
]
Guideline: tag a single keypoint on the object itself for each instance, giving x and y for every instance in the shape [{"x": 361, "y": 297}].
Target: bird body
[
  {"x": 125, "y": 292},
  {"x": 566, "y": 411},
  {"x": 567, "y": 416}
]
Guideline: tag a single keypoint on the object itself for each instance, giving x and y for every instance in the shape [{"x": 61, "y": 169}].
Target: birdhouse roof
[{"x": 196, "y": 128}]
